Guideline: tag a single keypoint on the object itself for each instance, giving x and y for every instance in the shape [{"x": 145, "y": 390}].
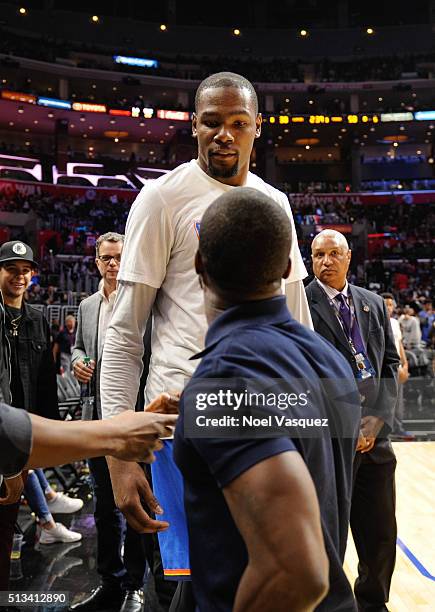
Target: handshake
[
  {"x": 139, "y": 433},
  {"x": 130, "y": 436}
]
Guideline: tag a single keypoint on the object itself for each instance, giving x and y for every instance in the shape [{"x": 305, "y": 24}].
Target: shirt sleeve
[
  {"x": 297, "y": 303},
  {"x": 298, "y": 270},
  {"x": 122, "y": 365},
  {"x": 226, "y": 457},
  {"x": 148, "y": 240},
  {"x": 15, "y": 439}
]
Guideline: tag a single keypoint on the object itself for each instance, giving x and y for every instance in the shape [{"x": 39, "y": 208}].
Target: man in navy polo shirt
[{"x": 266, "y": 510}]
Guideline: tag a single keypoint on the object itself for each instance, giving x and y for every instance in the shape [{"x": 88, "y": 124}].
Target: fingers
[
  {"x": 362, "y": 442},
  {"x": 136, "y": 515},
  {"x": 165, "y": 403},
  {"x": 147, "y": 496},
  {"x": 139, "y": 520},
  {"x": 149, "y": 455},
  {"x": 370, "y": 442},
  {"x": 129, "y": 487},
  {"x": 82, "y": 372},
  {"x": 165, "y": 425}
]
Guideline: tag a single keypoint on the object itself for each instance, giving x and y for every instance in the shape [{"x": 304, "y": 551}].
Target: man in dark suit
[{"x": 355, "y": 321}]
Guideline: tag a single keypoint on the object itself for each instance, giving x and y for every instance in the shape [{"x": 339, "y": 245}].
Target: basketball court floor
[{"x": 413, "y": 586}]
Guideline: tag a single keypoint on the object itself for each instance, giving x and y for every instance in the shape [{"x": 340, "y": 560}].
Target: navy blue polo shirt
[{"x": 260, "y": 340}]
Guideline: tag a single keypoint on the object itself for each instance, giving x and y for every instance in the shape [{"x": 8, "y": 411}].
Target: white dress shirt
[{"x": 106, "y": 309}]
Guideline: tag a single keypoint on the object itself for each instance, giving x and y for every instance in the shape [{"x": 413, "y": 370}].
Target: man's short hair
[
  {"x": 226, "y": 79},
  {"x": 387, "y": 296},
  {"x": 108, "y": 237},
  {"x": 244, "y": 240}
]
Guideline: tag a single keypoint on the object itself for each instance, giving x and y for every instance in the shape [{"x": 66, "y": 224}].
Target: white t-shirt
[{"x": 162, "y": 234}]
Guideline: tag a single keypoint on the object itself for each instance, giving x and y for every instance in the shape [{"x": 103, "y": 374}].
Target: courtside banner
[{"x": 28, "y": 188}]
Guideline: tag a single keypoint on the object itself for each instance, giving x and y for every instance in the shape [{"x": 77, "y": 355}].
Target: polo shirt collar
[{"x": 271, "y": 311}]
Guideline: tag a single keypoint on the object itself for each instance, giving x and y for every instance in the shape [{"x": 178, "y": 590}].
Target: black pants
[
  {"x": 111, "y": 527},
  {"x": 373, "y": 524}
]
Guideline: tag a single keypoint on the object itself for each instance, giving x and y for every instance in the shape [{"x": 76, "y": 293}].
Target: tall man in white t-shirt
[{"x": 157, "y": 271}]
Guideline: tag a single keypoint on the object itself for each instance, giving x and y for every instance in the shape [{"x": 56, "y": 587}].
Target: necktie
[{"x": 345, "y": 313}]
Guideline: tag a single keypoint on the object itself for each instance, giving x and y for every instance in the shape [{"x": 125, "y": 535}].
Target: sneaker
[
  {"x": 401, "y": 434},
  {"x": 64, "y": 504},
  {"x": 59, "y": 534}
]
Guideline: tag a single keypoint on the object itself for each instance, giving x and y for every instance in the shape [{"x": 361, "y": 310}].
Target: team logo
[
  {"x": 19, "y": 248},
  {"x": 197, "y": 226}
]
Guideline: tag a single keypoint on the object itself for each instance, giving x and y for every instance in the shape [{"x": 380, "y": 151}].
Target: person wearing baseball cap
[
  {"x": 16, "y": 250},
  {"x": 33, "y": 386}
]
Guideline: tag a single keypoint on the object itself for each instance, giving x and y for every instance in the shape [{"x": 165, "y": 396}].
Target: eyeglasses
[{"x": 106, "y": 259}]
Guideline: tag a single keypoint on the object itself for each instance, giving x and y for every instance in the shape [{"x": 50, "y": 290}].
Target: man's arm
[
  {"x": 297, "y": 303},
  {"x": 78, "y": 351},
  {"x": 121, "y": 366},
  {"x": 119, "y": 382},
  {"x": 82, "y": 371},
  {"x": 274, "y": 505},
  {"x": 383, "y": 410},
  {"x": 132, "y": 436}
]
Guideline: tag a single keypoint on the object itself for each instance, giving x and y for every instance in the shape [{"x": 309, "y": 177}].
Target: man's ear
[
  {"x": 194, "y": 119},
  {"x": 199, "y": 266},
  {"x": 258, "y": 122},
  {"x": 288, "y": 269}
]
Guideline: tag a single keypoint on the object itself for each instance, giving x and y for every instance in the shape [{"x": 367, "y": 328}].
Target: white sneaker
[
  {"x": 64, "y": 504},
  {"x": 59, "y": 534}
]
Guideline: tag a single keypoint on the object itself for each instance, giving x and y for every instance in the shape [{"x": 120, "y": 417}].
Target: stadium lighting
[
  {"x": 23, "y": 11},
  {"x": 163, "y": 27},
  {"x": 370, "y": 31},
  {"x": 303, "y": 33},
  {"x": 95, "y": 18},
  {"x": 236, "y": 32},
  {"x": 395, "y": 144}
]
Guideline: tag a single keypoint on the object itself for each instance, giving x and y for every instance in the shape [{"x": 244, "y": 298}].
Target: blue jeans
[{"x": 35, "y": 489}]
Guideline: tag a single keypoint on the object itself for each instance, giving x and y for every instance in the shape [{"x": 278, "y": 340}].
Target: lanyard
[{"x": 340, "y": 320}]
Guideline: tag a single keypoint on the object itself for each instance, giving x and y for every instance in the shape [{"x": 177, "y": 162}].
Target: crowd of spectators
[
  {"x": 276, "y": 69},
  {"x": 398, "y": 259},
  {"x": 366, "y": 186}
]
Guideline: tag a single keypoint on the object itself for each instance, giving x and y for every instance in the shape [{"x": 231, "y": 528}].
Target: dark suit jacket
[{"x": 378, "y": 337}]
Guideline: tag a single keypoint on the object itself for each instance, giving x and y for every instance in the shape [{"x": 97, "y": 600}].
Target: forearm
[
  {"x": 279, "y": 592},
  {"x": 297, "y": 303},
  {"x": 55, "y": 442},
  {"x": 123, "y": 348},
  {"x": 403, "y": 359},
  {"x": 287, "y": 569}
]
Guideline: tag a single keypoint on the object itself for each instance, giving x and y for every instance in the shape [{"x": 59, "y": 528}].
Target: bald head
[
  {"x": 338, "y": 238},
  {"x": 331, "y": 256}
]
